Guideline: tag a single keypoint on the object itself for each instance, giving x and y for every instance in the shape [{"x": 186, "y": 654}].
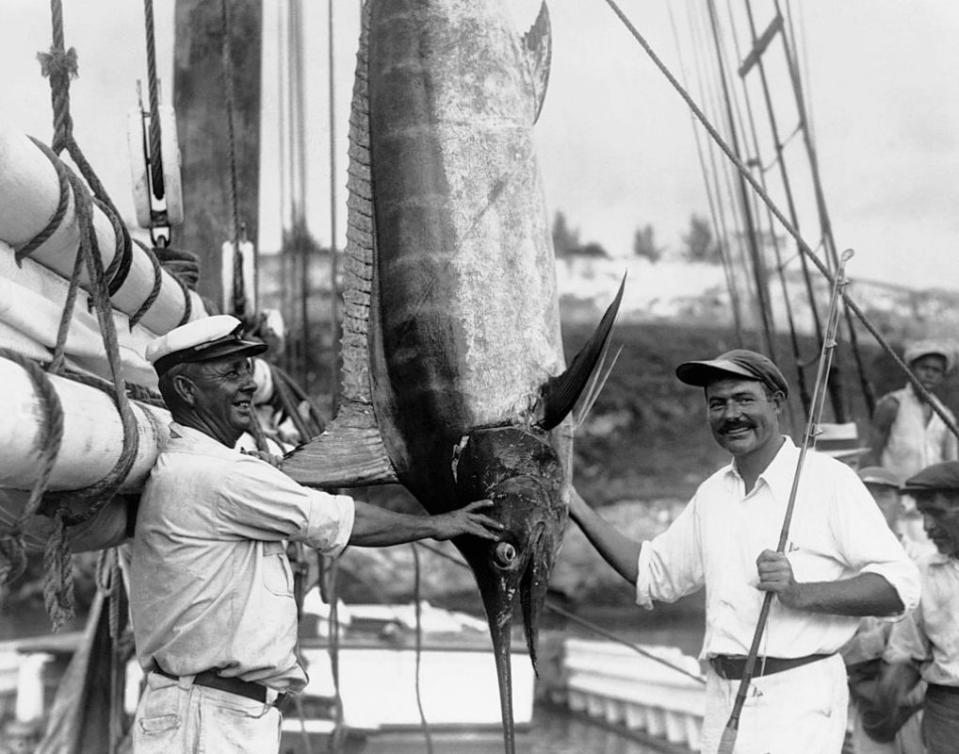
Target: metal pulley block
[{"x": 158, "y": 203}]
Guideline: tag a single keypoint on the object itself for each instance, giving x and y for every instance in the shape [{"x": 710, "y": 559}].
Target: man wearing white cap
[
  {"x": 211, "y": 592},
  {"x": 841, "y": 562},
  {"x": 906, "y": 434}
]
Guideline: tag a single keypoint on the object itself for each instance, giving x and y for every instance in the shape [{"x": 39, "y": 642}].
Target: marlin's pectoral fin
[
  {"x": 561, "y": 393},
  {"x": 350, "y": 453},
  {"x": 538, "y": 45}
]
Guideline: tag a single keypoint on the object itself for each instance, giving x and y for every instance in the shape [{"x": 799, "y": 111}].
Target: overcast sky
[{"x": 615, "y": 141}]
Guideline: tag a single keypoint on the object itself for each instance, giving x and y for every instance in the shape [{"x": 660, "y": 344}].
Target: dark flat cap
[
  {"x": 938, "y": 477},
  {"x": 739, "y": 363}
]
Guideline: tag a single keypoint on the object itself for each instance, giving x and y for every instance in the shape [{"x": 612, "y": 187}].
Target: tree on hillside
[
  {"x": 699, "y": 244},
  {"x": 592, "y": 249},
  {"x": 644, "y": 244},
  {"x": 565, "y": 239}
]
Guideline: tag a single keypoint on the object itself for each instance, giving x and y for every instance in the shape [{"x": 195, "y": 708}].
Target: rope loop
[
  {"x": 154, "y": 291},
  {"x": 63, "y": 200},
  {"x": 58, "y": 594}
]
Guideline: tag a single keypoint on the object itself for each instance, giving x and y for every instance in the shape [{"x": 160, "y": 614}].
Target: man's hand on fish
[
  {"x": 467, "y": 520},
  {"x": 776, "y": 575}
]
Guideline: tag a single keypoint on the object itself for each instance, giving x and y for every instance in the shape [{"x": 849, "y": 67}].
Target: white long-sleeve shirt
[{"x": 837, "y": 532}]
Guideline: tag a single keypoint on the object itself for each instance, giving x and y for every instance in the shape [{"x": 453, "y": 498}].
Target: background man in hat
[
  {"x": 877, "y": 730},
  {"x": 906, "y": 434},
  {"x": 842, "y": 562},
  {"x": 926, "y": 643},
  {"x": 211, "y": 595}
]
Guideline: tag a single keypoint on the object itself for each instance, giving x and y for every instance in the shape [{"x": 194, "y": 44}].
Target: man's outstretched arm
[
  {"x": 621, "y": 552},
  {"x": 377, "y": 527}
]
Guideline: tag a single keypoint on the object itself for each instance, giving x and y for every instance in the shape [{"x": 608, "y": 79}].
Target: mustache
[{"x": 731, "y": 426}]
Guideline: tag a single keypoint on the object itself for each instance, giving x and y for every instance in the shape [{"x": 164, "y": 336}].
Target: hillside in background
[{"x": 647, "y": 437}]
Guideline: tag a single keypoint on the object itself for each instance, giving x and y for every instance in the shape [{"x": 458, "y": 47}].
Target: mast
[
  {"x": 759, "y": 272},
  {"x": 201, "y": 122}
]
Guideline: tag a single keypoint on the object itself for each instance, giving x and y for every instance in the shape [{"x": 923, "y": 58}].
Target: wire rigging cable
[{"x": 803, "y": 246}]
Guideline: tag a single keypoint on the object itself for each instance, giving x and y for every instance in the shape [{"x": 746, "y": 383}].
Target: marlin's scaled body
[{"x": 454, "y": 381}]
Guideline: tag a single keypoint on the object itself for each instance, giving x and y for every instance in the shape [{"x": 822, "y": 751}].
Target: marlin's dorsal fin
[
  {"x": 351, "y": 451},
  {"x": 538, "y": 46},
  {"x": 561, "y": 393}
]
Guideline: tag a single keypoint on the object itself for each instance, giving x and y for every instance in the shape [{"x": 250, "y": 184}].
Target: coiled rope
[{"x": 74, "y": 506}]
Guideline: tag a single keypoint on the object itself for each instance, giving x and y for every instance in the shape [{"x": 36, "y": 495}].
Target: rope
[
  {"x": 418, "y": 608},
  {"x": 765, "y": 310},
  {"x": 154, "y": 291},
  {"x": 804, "y": 394},
  {"x": 60, "y": 66},
  {"x": 239, "y": 301},
  {"x": 803, "y": 246},
  {"x": 336, "y": 743},
  {"x": 119, "y": 268},
  {"x": 53, "y": 224},
  {"x": 720, "y": 237},
  {"x": 13, "y": 559},
  {"x": 334, "y": 261},
  {"x": 156, "y": 163},
  {"x": 58, "y": 575},
  {"x": 583, "y": 622}
]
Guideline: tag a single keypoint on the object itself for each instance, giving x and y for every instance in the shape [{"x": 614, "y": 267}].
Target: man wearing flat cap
[
  {"x": 906, "y": 434},
  {"x": 841, "y": 562},
  {"x": 211, "y": 594},
  {"x": 926, "y": 643},
  {"x": 875, "y": 729}
]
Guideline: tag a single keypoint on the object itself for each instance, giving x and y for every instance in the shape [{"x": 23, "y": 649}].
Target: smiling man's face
[
  {"x": 743, "y": 417},
  {"x": 223, "y": 402}
]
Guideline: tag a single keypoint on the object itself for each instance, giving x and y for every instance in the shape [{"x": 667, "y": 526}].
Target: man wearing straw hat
[
  {"x": 841, "y": 562},
  {"x": 906, "y": 434}
]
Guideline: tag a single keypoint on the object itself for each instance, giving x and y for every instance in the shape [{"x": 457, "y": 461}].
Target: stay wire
[
  {"x": 418, "y": 608},
  {"x": 803, "y": 246},
  {"x": 226, "y": 51},
  {"x": 804, "y": 394},
  {"x": 721, "y": 240}
]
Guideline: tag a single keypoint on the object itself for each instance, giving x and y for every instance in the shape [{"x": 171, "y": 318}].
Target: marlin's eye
[{"x": 505, "y": 553}]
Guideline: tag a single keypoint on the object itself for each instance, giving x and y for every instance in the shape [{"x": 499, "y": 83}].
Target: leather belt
[
  {"x": 209, "y": 678},
  {"x": 731, "y": 667},
  {"x": 938, "y": 688}
]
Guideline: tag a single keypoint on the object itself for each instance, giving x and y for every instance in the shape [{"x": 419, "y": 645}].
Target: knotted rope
[{"x": 61, "y": 66}]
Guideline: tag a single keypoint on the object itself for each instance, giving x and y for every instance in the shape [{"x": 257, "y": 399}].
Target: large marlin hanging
[{"x": 453, "y": 367}]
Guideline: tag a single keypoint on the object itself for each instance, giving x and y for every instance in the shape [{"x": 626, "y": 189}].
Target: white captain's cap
[{"x": 201, "y": 340}]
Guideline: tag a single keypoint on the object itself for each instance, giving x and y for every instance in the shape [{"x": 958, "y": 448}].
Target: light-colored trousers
[
  {"x": 798, "y": 711},
  {"x": 176, "y": 717}
]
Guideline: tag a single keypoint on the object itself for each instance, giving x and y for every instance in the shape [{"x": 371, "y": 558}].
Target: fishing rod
[{"x": 728, "y": 740}]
